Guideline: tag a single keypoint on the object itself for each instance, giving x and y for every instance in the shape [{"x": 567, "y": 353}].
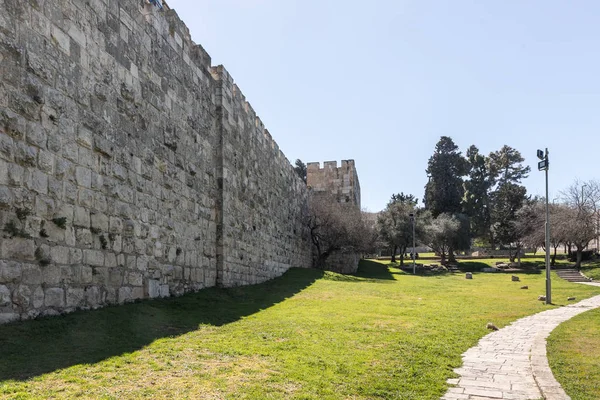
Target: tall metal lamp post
[
  {"x": 412, "y": 219},
  {"x": 543, "y": 165}
]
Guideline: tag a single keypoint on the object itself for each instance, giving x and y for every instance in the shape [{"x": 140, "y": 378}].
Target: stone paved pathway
[{"x": 511, "y": 363}]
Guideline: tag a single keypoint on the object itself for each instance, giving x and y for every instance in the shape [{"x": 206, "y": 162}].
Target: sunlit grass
[
  {"x": 574, "y": 355},
  {"x": 307, "y": 335}
]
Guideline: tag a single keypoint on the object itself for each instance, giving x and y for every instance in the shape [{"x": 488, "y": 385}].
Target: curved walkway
[{"x": 511, "y": 363}]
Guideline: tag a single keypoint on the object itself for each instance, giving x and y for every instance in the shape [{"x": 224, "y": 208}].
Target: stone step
[{"x": 571, "y": 275}]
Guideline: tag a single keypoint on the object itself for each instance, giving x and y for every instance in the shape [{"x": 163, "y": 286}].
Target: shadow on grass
[
  {"x": 373, "y": 270},
  {"x": 32, "y": 348},
  {"x": 368, "y": 271}
]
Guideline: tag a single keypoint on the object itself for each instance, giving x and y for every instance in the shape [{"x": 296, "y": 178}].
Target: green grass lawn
[
  {"x": 307, "y": 335},
  {"x": 574, "y": 355},
  {"x": 591, "y": 269}
]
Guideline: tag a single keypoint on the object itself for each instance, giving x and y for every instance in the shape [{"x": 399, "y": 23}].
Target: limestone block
[
  {"x": 142, "y": 263},
  {"x": 99, "y": 276},
  {"x": 5, "y": 318},
  {"x": 37, "y": 181},
  {"x": 110, "y": 260},
  {"x": 5, "y": 296},
  {"x": 60, "y": 254},
  {"x": 116, "y": 225},
  {"x": 164, "y": 291},
  {"x": 10, "y": 271},
  {"x": 125, "y": 295},
  {"x": 62, "y": 40},
  {"x": 3, "y": 172},
  {"x": 83, "y": 237},
  {"x": 54, "y": 297},
  {"x": 37, "y": 298},
  {"x": 85, "y": 198},
  {"x": 92, "y": 296},
  {"x": 51, "y": 275},
  {"x": 83, "y": 177},
  {"x": 25, "y": 156},
  {"x": 86, "y": 275},
  {"x": 135, "y": 278},
  {"x": 15, "y": 175},
  {"x": 75, "y": 297},
  {"x": 70, "y": 274},
  {"x": 115, "y": 277},
  {"x": 153, "y": 288},
  {"x": 137, "y": 293},
  {"x": 93, "y": 257},
  {"x": 21, "y": 296},
  {"x": 85, "y": 137},
  {"x": 100, "y": 221},
  {"x": 82, "y": 217},
  {"x": 6, "y": 197},
  {"x": 46, "y": 162},
  {"x": 32, "y": 274},
  {"x": 75, "y": 256}
]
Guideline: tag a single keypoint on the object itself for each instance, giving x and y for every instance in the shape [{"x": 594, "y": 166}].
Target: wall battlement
[
  {"x": 130, "y": 167},
  {"x": 342, "y": 182}
]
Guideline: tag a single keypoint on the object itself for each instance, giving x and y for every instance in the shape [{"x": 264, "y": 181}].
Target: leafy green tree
[
  {"x": 508, "y": 200},
  {"x": 506, "y": 166},
  {"x": 394, "y": 224},
  {"x": 446, "y": 234},
  {"x": 446, "y": 168},
  {"x": 508, "y": 196},
  {"x": 476, "y": 200}
]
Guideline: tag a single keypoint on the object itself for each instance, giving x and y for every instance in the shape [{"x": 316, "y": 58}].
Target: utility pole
[
  {"x": 412, "y": 219},
  {"x": 544, "y": 165}
]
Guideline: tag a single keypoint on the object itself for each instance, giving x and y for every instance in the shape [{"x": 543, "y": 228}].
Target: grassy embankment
[{"x": 308, "y": 334}]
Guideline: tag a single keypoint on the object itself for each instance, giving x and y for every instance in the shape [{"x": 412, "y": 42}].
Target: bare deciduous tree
[{"x": 335, "y": 227}]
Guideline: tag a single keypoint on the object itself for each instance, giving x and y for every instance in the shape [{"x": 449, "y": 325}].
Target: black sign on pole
[{"x": 543, "y": 165}]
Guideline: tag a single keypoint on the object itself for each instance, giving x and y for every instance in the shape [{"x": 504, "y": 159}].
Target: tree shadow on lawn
[
  {"x": 373, "y": 270},
  {"x": 369, "y": 271},
  {"x": 32, "y": 348}
]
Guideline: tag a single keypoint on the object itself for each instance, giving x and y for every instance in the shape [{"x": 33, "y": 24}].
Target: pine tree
[{"x": 446, "y": 168}]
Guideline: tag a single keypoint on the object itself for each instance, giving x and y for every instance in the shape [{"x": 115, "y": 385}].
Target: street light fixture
[
  {"x": 412, "y": 219},
  {"x": 543, "y": 165}
]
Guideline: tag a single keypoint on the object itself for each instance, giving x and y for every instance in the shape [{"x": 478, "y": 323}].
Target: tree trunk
[
  {"x": 451, "y": 256},
  {"x": 321, "y": 260},
  {"x": 511, "y": 256},
  {"x": 579, "y": 257},
  {"x": 553, "y": 262},
  {"x": 394, "y": 249},
  {"x": 402, "y": 252}
]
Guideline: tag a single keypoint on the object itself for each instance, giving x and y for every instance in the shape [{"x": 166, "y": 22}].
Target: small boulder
[
  {"x": 515, "y": 278},
  {"x": 570, "y": 298},
  {"x": 491, "y": 326},
  {"x": 525, "y": 287},
  {"x": 468, "y": 275},
  {"x": 541, "y": 297}
]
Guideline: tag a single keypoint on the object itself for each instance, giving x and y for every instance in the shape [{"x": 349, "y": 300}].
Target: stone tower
[{"x": 342, "y": 182}]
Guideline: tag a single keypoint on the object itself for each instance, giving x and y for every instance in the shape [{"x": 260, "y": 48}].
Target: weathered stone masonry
[{"x": 129, "y": 166}]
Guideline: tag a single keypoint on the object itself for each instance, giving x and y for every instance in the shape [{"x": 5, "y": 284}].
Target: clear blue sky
[{"x": 379, "y": 82}]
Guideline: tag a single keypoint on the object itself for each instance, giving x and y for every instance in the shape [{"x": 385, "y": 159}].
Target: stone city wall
[
  {"x": 342, "y": 182},
  {"x": 130, "y": 167}
]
